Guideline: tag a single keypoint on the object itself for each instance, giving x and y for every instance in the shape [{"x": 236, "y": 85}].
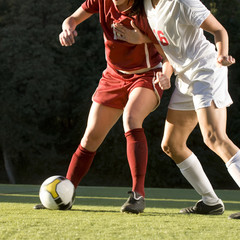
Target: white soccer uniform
[{"x": 199, "y": 81}]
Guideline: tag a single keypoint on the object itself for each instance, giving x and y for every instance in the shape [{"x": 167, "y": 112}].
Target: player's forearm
[
  {"x": 75, "y": 19},
  {"x": 69, "y": 23},
  {"x": 221, "y": 41},
  {"x": 163, "y": 78},
  {"x": 220, "y": 34},
  {"x": 167, "y": 69}
]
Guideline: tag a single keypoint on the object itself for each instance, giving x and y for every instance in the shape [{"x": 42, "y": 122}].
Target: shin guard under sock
[
  {"x": 137, "y": 154},
  {"x": 79, "y": 165},
  {"x": 192, "y": 170},
  {"x": 233, "y": 166}
]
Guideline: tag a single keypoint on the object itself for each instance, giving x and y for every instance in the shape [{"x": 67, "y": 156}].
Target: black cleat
[
  {"x": 39, "y": 206},
  {"x": 201, "y": 208},
  {"x": 234, "y": 216},
  {"x": 134, "y": 204}
]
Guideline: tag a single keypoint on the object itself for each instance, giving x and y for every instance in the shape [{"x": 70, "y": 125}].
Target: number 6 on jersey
[{"x": 161, "y": 37}]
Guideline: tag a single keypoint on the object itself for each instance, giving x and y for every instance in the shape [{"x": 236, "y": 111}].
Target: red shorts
[{"x": 114, "y": 87}]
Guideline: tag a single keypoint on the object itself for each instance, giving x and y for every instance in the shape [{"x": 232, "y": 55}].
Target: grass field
[{"x": 96, "y": 215}]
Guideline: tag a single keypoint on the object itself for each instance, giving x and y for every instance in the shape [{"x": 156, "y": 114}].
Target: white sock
[
  {"x": 233, "y": 166},
  {"x": 192, "y": 170}
]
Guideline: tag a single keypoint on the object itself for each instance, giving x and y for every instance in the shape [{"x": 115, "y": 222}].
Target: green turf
[{"x": 96, "y": 215}]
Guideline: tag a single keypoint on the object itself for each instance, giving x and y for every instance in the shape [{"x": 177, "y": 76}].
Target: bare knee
[
  {"x": 170, "y": 148},
  {"x": 213, "y": 140},
  {"x": 177, "y": 150},
  {"x": 131, "y": 121},
  {"x": 91, "y": 141}
]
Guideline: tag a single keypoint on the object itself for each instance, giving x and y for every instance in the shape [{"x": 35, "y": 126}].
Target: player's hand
[
  {"x": 133, "y": 36},
  {"x": 67, "y": 37},
  {"x": 225, "y": 60},
  {"x": 163, "y": 81}
]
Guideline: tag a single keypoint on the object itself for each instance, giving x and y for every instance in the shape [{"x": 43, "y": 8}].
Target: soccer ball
[{"x": 57, "y": 192}]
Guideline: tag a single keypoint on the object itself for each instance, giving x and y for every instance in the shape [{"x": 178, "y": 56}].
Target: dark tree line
[{"x": 45, "y": 96}]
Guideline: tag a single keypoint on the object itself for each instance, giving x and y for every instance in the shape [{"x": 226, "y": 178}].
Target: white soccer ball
[{"x": 57, "y": 192}]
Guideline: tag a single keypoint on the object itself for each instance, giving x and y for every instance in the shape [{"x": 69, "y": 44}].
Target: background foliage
[{"x": 45, "y": 96}]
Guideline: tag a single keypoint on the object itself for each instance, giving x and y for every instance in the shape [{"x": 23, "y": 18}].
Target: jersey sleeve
[
  {"x": 195, "y": 12},
  {"x": 91, "y": 6}
]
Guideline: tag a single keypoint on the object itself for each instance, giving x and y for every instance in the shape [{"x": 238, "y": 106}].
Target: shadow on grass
[
  {"x": 152, "y": 214},
  {"x": 115, "y": 197},
  {"x": 94, "y": 211},
  {"x": 146, "y": 213}
]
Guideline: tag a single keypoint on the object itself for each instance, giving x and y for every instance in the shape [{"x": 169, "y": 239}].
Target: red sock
[
  {"x": 79, "y": 165},
  {"x": 137, "y": 153}
]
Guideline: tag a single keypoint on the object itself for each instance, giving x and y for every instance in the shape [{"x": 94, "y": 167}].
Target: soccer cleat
[
  {"x": 39, "y": 206},
  {"x": 134, "y": 204},
  {"x": 201, "y": 208},
  {"x": 234, "y": 216}
]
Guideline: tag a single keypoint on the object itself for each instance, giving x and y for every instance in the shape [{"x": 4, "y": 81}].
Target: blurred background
[{"x": 45, "y": 96}]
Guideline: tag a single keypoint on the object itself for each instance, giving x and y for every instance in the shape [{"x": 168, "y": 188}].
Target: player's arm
[
  {"x": 135, "y": 36},
  {"x": 220, "y": 34},
  {"x": 163, "y": 78},
  {"x": 68, "y": 34}
]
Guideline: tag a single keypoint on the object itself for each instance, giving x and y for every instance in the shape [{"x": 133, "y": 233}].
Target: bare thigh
[
  {"x": 178, "y": 127},
  {"x": 141, "y": 103},
  {"x": 100, "y": 120}
]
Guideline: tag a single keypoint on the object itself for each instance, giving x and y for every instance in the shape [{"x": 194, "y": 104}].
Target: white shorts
[{"x": 202, "y": 92}]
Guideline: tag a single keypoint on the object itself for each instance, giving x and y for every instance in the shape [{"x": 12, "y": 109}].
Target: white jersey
[{"x": 176, "y": 25}]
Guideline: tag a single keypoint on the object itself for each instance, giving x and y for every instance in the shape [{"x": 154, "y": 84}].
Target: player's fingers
[
  {"x": 62, "y": 39},
  {"x": 160, "y": 79},
  {"x": 120, "y": 37},
  {"x": 70, "y": 37},
  {"x": 228, "y": 59},
  {"x": 120, "y": 30},
  {"x": 165, "y": 85},
  {"x": 75, "y": 33},
  {"x": 225, "y": 60},
  {"x": 168, "y": 85},
  {"x": 118, "y": 26},
  {"x": 65, "y": 38},
  {"x": 220, "y": 59},
  {"x": 157, "y": 77},
  {"x": 232, "y": 60},
  {"x": 163, "y": 81},
  {"x": 134, "y": 26},
  {"x": 120, "y": 34}
]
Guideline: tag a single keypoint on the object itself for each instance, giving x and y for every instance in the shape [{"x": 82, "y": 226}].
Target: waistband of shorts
[{"x": 143, "y": 70}]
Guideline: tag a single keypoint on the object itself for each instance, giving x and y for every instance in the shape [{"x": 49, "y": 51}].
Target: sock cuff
[
  {"x": 84, "y": 150},
  {"x": 188, "y": 162},
  {"x": 135, "y": 133},
  {"x": 234, "y": 159}
]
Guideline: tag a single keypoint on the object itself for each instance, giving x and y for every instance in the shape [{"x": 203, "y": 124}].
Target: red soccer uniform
[
  {"x": 138, "y": 65},
  {"x": 115, "y": 86},
  {"x": 121, "y": 55}
]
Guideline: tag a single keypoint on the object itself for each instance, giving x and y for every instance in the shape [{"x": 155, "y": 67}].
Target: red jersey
[{"x": 121, "y": 55}]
